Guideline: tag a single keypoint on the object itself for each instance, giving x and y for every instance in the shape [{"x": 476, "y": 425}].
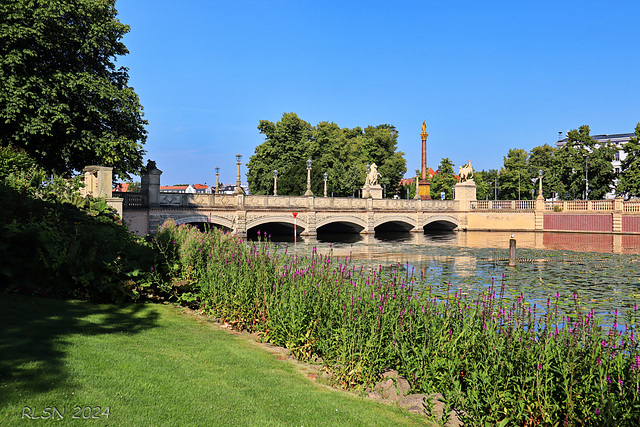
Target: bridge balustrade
[
  {"x": 632, "y": 206},
  {"x": 601, "y": 205},
  {"x": 298, "y": 202},
  {"x": 525, "y": 205},
  {"x": 501, "y": 205},
  {"x": 581, "y": 205}
]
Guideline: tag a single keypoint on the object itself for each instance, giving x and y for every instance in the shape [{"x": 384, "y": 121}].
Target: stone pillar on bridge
[
  {"x": 150, "y": 184},
  {"x": 419, "y": 221},
  {"x": 465, "y": 193},
  {"x": 616, "y": 216}
]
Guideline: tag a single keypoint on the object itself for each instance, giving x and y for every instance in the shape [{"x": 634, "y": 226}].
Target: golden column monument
[{"x": 424, "y": 181}]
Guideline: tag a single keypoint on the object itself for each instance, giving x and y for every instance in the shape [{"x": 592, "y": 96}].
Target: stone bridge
[
  {"x": 145, "y": 212},
  {"x": 246, "y": 213}
]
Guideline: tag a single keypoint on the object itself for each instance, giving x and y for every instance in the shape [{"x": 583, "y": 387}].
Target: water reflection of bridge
[{"x": 368, "y": 246}]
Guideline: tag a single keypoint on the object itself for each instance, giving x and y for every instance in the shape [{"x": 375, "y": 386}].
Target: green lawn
[{"x": 154, "y": 365}]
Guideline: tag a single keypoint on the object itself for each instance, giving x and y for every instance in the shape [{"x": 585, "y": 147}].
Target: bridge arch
[
  {"x": 395, "y": 223},
  {"x": 278, "y": 220},
  {"x": 213, "y": 220},
  {"x": 342, "y": 222},
  {"x": 441, "y": 222}
]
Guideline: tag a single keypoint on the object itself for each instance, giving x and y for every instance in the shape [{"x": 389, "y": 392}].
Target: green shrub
[{"x": 55, "y": 242}]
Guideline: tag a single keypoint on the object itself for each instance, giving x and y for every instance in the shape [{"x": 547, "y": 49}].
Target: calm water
[{"x": 603, "y": 270}]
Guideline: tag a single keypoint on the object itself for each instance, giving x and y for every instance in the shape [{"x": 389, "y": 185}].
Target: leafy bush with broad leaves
[{"x": 57, "y": 243}]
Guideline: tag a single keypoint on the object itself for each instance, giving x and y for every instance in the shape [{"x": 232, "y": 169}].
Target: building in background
[{"x": 189, "y": 189}]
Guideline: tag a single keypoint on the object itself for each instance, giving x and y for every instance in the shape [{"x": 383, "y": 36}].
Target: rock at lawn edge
[
  {"x": 387, "y": 389},
  {"x": 403, "y": 386},
  {"x": 414, "y": 403}
]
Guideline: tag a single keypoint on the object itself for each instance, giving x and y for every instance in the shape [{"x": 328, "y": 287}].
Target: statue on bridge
[
  {"x": 466, "y": 172},
  {"x": 372, "y": 177}
]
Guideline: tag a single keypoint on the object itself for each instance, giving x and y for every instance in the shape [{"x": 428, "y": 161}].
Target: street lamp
[
  {"x": 518, "y": 184},
  {"x": 238, "y": 189},
  {"x": 325, "y": 176},
  {"x": 540, "y": 196},
  {"x": 275, "y": 182},
  {"x": 217, "y": 180},
  {"x": 586, "y": 177},
  {"x": 308, "y": 193}
]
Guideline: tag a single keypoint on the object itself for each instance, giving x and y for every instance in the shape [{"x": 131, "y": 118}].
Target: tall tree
[
  {"x": 61, "y": 97},
  {"x": 444, "y": 180},
  {"x": 489, "y": 180},
  {"x": 342, "y": 153},
  {"x": 514, "y": 181},
  {"x": 583, "y": 158},
  {"x": 483, "y": 187},
  {"x": 544, "y": 158},
  {"x": 629, "y": 180},
  {"x": 285, "y": 148}
]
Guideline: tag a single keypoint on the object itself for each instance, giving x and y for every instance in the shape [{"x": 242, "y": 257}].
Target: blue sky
[{"x": 486, "y": 76}]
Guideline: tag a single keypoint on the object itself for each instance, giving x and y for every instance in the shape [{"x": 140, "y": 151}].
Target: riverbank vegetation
[{"x": 490, "y": 354}]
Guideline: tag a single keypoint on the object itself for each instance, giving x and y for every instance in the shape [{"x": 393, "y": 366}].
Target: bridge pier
[
  {"x": 240, "y": 220},
  {"x": 311, "y": 230}
]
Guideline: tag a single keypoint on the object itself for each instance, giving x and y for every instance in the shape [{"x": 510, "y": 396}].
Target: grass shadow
[{"x": 35, "y": 332}]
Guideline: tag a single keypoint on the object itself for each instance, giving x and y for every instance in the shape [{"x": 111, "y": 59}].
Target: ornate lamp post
[
  {"x": 275, "y": 182},
  {"x": 540, "y": 196},
  {"x": 217, "y": 180},
  {"x": 238, "y": 189},
  {"x": 308, "y": 192},
  {"x": 586, "y": 177},
  {"x": 325, "y": 176}
]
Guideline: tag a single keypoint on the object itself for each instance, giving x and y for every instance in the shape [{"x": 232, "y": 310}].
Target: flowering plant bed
[{"x": 499, "y": 359}]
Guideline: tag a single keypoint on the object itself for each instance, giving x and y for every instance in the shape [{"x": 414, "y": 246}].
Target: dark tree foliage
[
  {"x": 341, "y": 153},
  {"x": 62, "y": 99},
  {"x": 514, "y": 182},
  {"x": 486, "y": 184}
]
